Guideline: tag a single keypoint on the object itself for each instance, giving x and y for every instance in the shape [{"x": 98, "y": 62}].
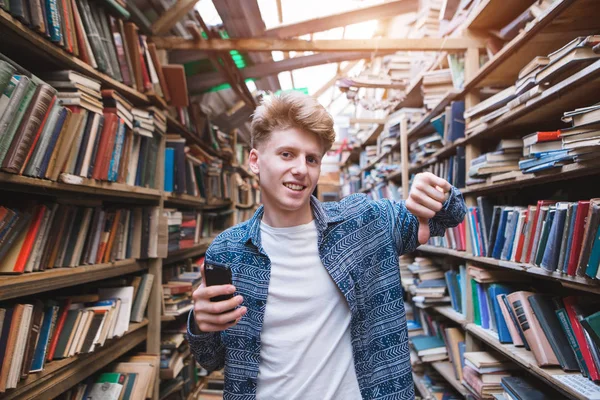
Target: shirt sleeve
[
  {"x": 207, "y": 347},
  {"x": 406, "y": 226}
]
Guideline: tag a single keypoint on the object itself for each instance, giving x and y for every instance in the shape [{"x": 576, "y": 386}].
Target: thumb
[{"x": 423, "y": 234}]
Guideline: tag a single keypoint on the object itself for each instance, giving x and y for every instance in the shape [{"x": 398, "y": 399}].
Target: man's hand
[
  {"x": 426, "y": 197},
  {"x": 216, "y": 316}
]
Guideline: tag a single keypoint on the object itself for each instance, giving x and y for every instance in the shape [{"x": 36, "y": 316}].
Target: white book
[
  {"x": 124, "y": 314},
  {"x": 85, "y": 166}
]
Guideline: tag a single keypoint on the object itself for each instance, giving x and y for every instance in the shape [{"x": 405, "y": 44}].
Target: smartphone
[{"x": 217, "y": 274}]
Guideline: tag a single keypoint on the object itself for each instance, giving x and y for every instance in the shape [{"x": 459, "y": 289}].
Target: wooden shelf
[
  {"x": 184, "y": 311},
  {"x": 49, "y": 50},
  {"x": 90, "y": 187},
  {"x": 183, "y": 200},
  {"x": 551, "y": 175},
  {"x": 575, "y": 282},
  {"x": 13, "y": 286},
  {"x": 59, "y": 376},
  {"x": 372, "y": 138},
  {"x": 554, "y": 29},
  {"x": 424, "y": 127},
  {"x": 413, "y": 96},
  {"x": 448, "y": 312},
  {"x": 446, "y": 370},
  {"x": 495, "y": 14},
  {"x": 194, "y": 251},
  {"x": 526, "y": 360},
  {"x": 215, "y": 205}
]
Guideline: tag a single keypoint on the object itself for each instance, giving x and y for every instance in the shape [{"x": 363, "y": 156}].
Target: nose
[{"x": 300, "y": 167}]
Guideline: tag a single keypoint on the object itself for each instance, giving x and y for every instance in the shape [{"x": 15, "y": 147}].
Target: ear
[{"x": 253, "y": 161}]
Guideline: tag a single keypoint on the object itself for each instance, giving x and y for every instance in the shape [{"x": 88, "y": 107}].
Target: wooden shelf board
[
  {"x": 183, "y": 199},
  {"x": 413, "y": 95},
  {"x": 526, "y": 360},
  {"x": 13, "y": 286},
  {"x": 58, "y": 376},
  {"x": 446, "y": 370},
  {"x": 372, "y": 139},
  {"x": 495, "y": 14},
  {"x": 424, "y": 127},
  {"x": 214, "y": 205},
  {"x": 579, "y": 283},
  {"x": 578, "y": 90},
  {"x": 552, "y": 175},
  {"x": 448, "y": 312},
  {"x": 91, "y": 187},
  {"x": 57, "y": 54},
  {"x": 194, "y": 251},
  {"x": 554, "y": 29}
]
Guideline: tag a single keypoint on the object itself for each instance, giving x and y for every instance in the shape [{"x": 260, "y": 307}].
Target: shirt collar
[{"x": 322, "y": 219}]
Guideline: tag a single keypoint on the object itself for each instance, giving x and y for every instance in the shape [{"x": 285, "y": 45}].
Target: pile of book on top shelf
[
  {"x": 436, "y": 85},
  {"x": 559, "y": 237},
  {"x": 428, "y": 286},
  {"x": 99, "y": 34},
  {"x": 42, "y": 330},
  {"x": 37, "y": 237},
  {"x": 540, "y": 74},
  {"x": 131, "y": 377},
  {"x": 93, "y": 136}
]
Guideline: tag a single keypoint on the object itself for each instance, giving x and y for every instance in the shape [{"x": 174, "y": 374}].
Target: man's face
[{"x": 289, "y": 164}]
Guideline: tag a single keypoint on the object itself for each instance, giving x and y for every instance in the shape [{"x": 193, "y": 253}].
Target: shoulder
[{"x": 355, "y": 205}]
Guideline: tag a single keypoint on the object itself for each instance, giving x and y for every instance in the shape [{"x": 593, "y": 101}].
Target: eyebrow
[{"x": 283, "y": 148}]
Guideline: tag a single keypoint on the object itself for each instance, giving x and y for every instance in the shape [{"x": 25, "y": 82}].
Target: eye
[
  {"x": 286, "y": 154},
  {"x": 312, "y": 160}
]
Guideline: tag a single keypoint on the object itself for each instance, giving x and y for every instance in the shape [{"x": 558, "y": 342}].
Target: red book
[
  {"x": 38, "y": 133},
  {"x": 521, "y": 242},
  {"x": 578, "y": 231},
  {"x": 59, "y": 325},
  {"x": 145, "y": 75},
  {"x": 34, "y": 227},
  {"x": 540, "y": 204},
  {"x": 544, "y": 136},
  {"x": 571, "y": 308},
  {"x": 109, "y": 131}
]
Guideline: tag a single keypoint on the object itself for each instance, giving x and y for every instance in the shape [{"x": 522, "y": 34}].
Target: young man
[{"x": 318, "y": 310}]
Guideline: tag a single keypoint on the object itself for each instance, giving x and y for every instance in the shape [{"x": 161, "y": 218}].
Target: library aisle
[{"x": 125, "y": 139}]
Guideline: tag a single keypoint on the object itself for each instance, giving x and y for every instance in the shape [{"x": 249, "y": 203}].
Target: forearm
[{"x": 207, "y": 347}]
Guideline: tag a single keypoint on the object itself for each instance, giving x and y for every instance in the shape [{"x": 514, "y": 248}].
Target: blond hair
[{"x": 291, "y": 110}]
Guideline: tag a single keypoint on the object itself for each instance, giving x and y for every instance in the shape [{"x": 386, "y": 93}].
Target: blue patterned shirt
[{"x": 359, "y": 243}]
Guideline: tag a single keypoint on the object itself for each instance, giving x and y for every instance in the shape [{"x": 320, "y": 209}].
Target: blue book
[
  {"x": 457, "y": 125},
  {"x": 439, "y": 123},
  {"x": 39, "y": 356},
  {"x": 483, "y": 306},
  {"x": 499, "y": 245},
  {"x": 115, "y": 160},
  {"x": 474, "y": 236},
  {"x": 570, "y": 238},
  {"x": 511, "y": 227},
  {"x": 494, "y": 290},
  {"x": 452, "y": 284},
  {"x": 40, "y": 171},
  {"x": 552, "y": 252},
  {"x": 169, "y": 169}
]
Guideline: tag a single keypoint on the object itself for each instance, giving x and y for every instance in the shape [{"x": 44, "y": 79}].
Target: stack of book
[
  {"x": 498, "y": 164},
  {"x": 424, "y": 147},
  {"x": 543, "y": 150},
  {"x": 436, "y": 84},
  {"x": 429, "y": 285},
  {"x": 131, "y": 377},
  {"x": 582, "y": 139},
  {"x": 174, "y": 221},
  {"x": 52, "y": 235},
  {"x": 177, "y": 296},
  {"x": 483, "y": 372},
  {"x": 428, "y": 19},
  {"x": 173, "y": 351},
  {"x": 429, "y": 348},
  {"x": 42, "y": 331},
  {"x": 41, "y": 138},
  {"x": 537, "y": 76}
]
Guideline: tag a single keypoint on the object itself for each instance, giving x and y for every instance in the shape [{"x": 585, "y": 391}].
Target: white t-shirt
[{"x": 306, "y": 350}]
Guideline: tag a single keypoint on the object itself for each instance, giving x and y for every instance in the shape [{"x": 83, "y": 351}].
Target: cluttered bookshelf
[
  {"x": 514, "y": 126},
  {"x": 109, "y": 171}
]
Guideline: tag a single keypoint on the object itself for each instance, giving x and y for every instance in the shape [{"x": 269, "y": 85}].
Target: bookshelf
[
  {"x": 59, "y": 376},
  {"x": 194, "y": 251},
  {"x": 446, "y": 370}
]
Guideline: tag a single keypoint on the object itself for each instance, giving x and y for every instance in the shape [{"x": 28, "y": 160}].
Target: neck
[{"x": 285, "y": 219}]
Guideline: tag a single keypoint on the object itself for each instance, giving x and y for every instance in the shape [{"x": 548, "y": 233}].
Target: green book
[
  {"x": 475, "y": 301},
  {"x": 563, "y": 318},
  {"x": 6, "y": 73},
  {"x": 108, "y": 386},
  {"x": 129, "y": 383},
  {"x": 118, "y": 8},
  {"x": 15, "y": 95},
  {"x": 594, "y": 260},
  {"x": 9, "y": 134},
  {"x": 424, "y": 342},
  {"x": 591, "y": 324},
  {"x": 544, "y": 239}
]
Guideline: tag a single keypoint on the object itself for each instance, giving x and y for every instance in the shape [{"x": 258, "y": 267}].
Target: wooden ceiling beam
[
  {"x": 457, "y": 44},
  {"x": 173, "y": 15},
  {"x": 201, "y": 82},
  {"x": 378, "y": 11}
]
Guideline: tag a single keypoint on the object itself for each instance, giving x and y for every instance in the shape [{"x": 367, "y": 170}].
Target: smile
[{"x": 297, "y": 188}]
